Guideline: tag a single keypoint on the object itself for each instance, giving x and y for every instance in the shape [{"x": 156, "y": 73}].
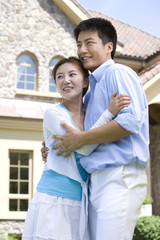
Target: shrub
[
  {"x": 148, "y": 200},
  {"x": 147, "y": 228},
  {"x": 12, "y": 237}
]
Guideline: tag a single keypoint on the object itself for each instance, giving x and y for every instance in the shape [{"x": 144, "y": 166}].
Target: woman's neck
[
  {"x": 74, "y": 107},
  {"x": 77, "y": 113}
]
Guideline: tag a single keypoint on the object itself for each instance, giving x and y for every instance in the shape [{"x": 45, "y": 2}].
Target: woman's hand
[{"x": 117, "y": 103}]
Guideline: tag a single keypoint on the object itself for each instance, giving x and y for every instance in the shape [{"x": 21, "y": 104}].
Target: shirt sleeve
[
  {"x": 105, "y": 117},
  {"x": 125, "y": 80}
]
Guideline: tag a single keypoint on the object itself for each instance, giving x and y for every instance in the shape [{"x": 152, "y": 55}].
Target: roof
[
  {"x": 22, "y": 108},
  {"x": 81, "y": 8},
  {"x": 136, "y": 43},
  {"x": 73, "y": 10},
  {"x": 150, "y": 72}
]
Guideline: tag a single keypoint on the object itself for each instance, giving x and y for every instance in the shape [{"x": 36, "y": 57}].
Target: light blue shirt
[
  {"x": 56, "y": 184},
  {"x": 105, "y": 80}
]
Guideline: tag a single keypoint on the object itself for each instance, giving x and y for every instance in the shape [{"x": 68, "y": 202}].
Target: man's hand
[
  {"x": 44, "y": 152},
  {"x": 68, "y": 142}
]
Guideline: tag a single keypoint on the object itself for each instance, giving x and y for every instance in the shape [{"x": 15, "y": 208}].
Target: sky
[{"x": 143, "y": 14}]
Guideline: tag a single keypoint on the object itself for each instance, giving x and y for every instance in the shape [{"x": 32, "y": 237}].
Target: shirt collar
[{"x": 97, "y": 74}]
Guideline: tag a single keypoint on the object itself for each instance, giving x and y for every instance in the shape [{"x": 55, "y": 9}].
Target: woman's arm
[{"x": 116, "y": 104}]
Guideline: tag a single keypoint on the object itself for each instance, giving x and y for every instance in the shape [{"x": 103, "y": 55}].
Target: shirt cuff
[{"x": 129, "y": 122}]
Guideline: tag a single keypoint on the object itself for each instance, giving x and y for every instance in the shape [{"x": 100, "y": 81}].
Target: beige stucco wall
[{"x": 18, "y": 140}]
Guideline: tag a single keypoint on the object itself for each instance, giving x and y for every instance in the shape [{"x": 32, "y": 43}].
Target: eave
[
  {"x": 152, "y": 90},
  {"x": 77, "y": 14},
  {"x": 71, "y": 10}
]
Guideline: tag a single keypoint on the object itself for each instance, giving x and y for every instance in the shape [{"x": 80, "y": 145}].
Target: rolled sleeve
[
  {"x": 131, "y": 122},
  {"x": 131, "y": 118}
]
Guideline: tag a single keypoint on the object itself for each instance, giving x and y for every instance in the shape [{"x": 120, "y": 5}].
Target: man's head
[
  {"x": 103, "y": 27},
  {"x": 103, "y": 30}
]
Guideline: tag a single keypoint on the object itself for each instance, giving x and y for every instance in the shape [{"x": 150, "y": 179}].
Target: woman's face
[{"x": 70, "y": 81}]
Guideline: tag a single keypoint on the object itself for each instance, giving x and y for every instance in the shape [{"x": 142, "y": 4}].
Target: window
[
  {"x": 26, "y": 73},
  {"x": 52, "y": 85},
  {"x": 20, "y": 180}
]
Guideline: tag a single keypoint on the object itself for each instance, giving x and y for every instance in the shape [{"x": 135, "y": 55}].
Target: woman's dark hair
[
  {"x": 75, "y": 61},
  {"x": 103, "y": 27}
]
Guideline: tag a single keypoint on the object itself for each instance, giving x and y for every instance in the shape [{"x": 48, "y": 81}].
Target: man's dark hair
[{"x": 104, "y": 29}]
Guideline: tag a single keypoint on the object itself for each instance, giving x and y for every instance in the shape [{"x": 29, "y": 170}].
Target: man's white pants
[{"x": 115, "y": 197}]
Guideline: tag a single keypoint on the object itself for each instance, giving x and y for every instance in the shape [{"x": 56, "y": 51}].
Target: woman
[{"x": 58, "y": 210}]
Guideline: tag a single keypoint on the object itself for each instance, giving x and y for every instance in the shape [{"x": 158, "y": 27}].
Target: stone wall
[
  {"x": 155, "y": 166},
  {"x": 36, "y": 26}
]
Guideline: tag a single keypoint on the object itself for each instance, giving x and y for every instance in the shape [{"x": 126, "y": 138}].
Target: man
[{"x": 118, "y": 181}]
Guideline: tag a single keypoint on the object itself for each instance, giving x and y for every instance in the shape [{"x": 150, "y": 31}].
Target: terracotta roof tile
[
  {"x": 136, "y": 42},
  {"x": 150, "y": 72}
]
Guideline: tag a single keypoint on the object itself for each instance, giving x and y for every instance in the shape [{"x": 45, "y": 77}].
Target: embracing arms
[{"x": 99, "y": 133}]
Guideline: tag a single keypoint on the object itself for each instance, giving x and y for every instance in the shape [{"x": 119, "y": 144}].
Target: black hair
[{"x": 104, "y": 28}]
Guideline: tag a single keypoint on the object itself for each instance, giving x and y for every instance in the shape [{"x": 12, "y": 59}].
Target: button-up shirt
[{"x": 105, "y": 80}]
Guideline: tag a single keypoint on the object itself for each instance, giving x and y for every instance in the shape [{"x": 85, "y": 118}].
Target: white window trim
[
  {"x": 28, "y": 65},
  {"x": 22, "y": 214}
]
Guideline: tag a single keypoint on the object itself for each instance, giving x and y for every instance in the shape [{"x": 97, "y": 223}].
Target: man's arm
[
  {"x": 80, "y": 141},
  {"x": 109, "y": 132},
  {"x": 74, "y": 139}
]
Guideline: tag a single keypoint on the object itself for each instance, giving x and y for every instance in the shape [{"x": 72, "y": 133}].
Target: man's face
[{"x": 91, "y": 50}]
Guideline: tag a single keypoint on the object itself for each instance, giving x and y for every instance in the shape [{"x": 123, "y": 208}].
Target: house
[{"x": 34, "y": 35}]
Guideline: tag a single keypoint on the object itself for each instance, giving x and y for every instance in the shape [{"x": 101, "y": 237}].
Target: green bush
[
  {"x": 147, "y": 228},
  {"x": 12, "y": 237},
  {"x": 148, "y": 200}
]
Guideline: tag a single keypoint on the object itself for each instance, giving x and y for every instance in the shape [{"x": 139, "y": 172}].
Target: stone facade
[{"x": 37, "y": 27}]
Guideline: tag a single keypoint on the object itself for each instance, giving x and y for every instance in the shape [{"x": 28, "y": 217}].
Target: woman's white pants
[{"x": 115, "y": 197}]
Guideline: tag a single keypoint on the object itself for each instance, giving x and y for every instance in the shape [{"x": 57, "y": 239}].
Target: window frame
[
  {"x": 19, "y": 196},
  {"x": 27, "y": 65},
  {"x": 56, "y": 58}
]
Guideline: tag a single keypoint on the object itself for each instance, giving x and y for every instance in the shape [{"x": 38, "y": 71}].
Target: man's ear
[{"x": 109, "y": 47}]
